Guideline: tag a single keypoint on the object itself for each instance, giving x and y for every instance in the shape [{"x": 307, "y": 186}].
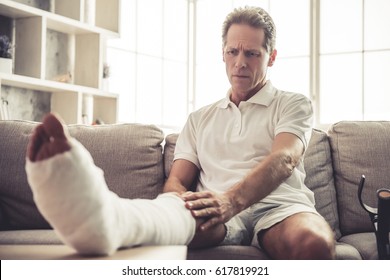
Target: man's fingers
[
  {"x": 201, "y": 203},
  {"x": 188, "y": 196},
  {"x": 206, "y": 212}
]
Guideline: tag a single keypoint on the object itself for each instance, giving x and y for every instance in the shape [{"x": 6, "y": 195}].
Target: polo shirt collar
[{"x": 263, "y": 97}]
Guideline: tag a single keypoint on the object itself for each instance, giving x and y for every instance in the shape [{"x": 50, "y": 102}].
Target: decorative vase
[
  {"x": 106, "y": 84},
  {"x": 89, "y": 11},
  {"x": 87, "y": 109},
  {"x": 6, "y": 65}
]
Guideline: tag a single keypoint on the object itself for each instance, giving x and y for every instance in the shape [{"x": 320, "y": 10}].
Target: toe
[
  {"x": 37, "y": 139},
  {"x": 48, "y": 139},
  {"x": 54, "y": 127}
]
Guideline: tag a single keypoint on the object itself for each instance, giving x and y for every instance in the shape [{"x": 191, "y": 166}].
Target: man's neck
[{"x": 238, "y": 97}]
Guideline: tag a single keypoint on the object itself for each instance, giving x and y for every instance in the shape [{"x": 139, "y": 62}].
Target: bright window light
[{"x": 168, "y": 60}]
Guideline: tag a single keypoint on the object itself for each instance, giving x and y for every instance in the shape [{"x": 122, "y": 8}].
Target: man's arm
[
  {"x": 286, "y": 152},
  {"x": 181, "y": 177},
  {"x": 270, "y": 173}
]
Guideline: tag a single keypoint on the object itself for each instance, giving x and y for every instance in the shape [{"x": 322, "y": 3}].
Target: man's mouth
[{"x": 240, "y": 76}]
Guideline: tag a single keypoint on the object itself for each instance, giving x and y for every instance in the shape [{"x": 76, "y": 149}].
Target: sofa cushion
[
  {"x": 319, "y": 178},
  {"x": 366, "y": 249},
  {"x": 346, "y": 251},
  {"x": 129, "y": 154},
  {"x": 33, "y": 236},
  {"x": 359, "y": 147}
]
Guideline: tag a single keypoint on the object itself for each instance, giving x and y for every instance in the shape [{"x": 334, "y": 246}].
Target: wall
[{"x": 26, "y": 104}]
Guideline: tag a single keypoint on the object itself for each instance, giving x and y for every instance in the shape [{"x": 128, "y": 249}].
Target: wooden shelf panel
[
  {"x": 14, "y": 10},
  {"x": 49, "y": 86},
  {"x": 54, "y": 21}
]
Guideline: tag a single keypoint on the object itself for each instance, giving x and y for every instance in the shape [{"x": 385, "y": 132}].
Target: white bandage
[{"x": 72, "y": 195}]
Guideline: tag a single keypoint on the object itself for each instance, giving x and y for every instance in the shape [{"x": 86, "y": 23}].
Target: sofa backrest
[
  {"x": 130, "y": 155},
  {"x": 359, "y": 148},
  {"x": 319, "y": 178},
  {"x": 17, "y": 209},
  {"x": 135, "y": 167}
]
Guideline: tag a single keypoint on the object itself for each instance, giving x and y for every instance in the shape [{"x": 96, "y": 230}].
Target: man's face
[{"x": 246, "y": 60}]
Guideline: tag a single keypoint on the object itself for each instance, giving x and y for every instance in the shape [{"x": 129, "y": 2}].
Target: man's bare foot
[{"x": 48, "y": 139}]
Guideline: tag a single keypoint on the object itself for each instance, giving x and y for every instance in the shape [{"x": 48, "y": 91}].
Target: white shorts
[{"x": 243, "y": 228}]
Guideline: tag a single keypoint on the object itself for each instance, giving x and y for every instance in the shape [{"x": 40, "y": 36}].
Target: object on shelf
[
  {"x": 98, "y": 121},
  {"x": 87, "y": 109},
  {"x": 52, "y": 6},
  {"x": 106, "y": 70},
  {"x": 5, "y": 55},
  {"x": 106, "y": 76},
  {"x": 4, "y": 114},
  {"x": 5, "y": 47},
  {"x": 85, "y": 119},
  {"x": 65, "y": 78},
  {"x": 90, "y": 11}
]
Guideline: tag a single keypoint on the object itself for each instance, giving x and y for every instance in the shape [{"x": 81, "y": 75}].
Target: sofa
[{"x": 137, "y": 158}]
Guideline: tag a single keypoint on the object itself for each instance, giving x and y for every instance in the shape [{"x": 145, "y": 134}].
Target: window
[
  {"x": 211, "y": 83},
  {"x": 150, "y": 62},
  {"x": 354, "y": 57},
  {"x": 168, "y": 61},
  {"x": 291, "y": 70}
]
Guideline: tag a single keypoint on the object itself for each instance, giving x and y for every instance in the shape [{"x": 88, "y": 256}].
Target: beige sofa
[{"x": 137, "y": 158}]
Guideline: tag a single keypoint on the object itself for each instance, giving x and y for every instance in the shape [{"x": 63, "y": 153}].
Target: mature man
[{"x": 247, "y": 149}]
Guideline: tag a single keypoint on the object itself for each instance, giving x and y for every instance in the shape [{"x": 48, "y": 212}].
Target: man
[{"x": 248, "y": 150}]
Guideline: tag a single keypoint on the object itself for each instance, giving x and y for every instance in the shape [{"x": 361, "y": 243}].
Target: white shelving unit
[{"x": 85, "y": 51}]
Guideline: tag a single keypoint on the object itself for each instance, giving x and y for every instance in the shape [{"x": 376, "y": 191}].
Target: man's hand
[{"x": 211, "y": 207}]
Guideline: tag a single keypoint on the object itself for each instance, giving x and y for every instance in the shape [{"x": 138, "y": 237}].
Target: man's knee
[
  {"x": 301, "y": 236},
  {"x": 308, "y": 244}
]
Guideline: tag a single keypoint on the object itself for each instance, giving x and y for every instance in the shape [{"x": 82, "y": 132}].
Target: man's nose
[{"x": 240, "y": 60}]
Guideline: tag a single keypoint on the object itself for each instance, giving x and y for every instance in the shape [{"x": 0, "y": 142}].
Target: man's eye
[
  {"x": 231, "y": 52},
  {"x": 252, "y": 54}
]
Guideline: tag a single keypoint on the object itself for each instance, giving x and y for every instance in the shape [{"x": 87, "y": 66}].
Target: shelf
[
  {"x": 56, "y": 22},
  {"x": 50, "y": 86},
  {"x": 63, "y": 43},
  {"x": 67, "y": 100}
]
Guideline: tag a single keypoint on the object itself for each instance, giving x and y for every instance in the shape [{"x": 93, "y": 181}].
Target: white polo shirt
[{"x": 225, "y": 141}]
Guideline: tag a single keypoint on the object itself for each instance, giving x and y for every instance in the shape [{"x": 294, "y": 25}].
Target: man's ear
[
  {"x": 272, "y": 58},
  {"x": 223, "y": 54}
]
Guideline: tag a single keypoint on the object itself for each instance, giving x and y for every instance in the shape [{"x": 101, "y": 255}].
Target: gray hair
[{"x": 255, "y": 17}]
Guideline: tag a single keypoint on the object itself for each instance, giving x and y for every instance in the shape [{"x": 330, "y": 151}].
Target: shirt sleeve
[
  {"x": 296, "y": 117},
  {"x": 186, "y": 147}
]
